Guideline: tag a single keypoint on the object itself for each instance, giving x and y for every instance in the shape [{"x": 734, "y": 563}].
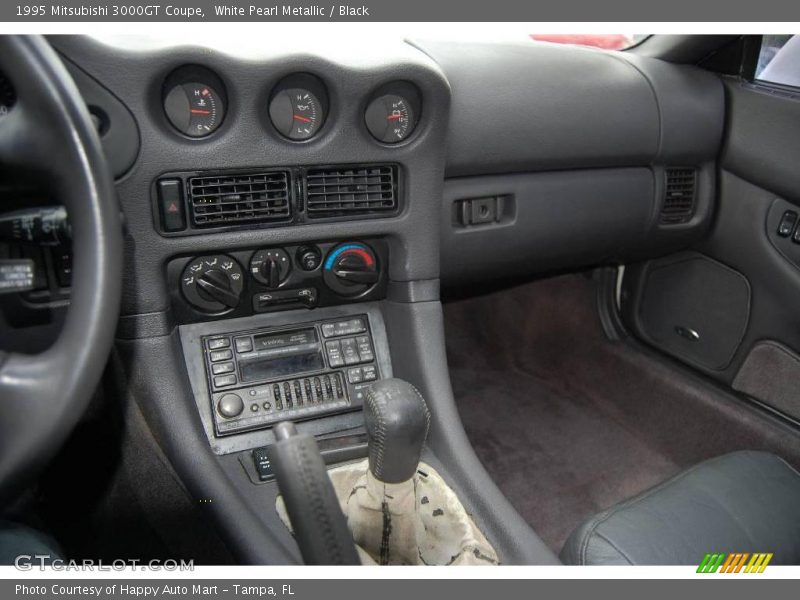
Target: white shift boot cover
[{"x": 417, "y": 522}]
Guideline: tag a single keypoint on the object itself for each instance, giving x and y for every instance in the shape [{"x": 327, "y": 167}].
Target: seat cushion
[
  {"x": 740, "y": 502},
  {"x": 18, "y": 540}
]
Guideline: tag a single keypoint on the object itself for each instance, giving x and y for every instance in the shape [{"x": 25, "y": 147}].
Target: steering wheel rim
[{"x": 49, "y": 131}]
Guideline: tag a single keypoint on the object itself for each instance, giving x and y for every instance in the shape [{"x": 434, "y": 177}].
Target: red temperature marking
[{"x": 366, "y": 256}]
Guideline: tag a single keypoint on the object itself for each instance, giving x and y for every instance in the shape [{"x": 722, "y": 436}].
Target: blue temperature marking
[{"x": 329, "y": 261}]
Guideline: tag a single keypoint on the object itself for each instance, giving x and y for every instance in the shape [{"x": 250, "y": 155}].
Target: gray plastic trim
[
  {"x": 562, "y": 219},
  {"x": 522, "y": 107}
]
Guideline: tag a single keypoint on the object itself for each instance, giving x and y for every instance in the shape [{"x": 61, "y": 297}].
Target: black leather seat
[
  {"x": 18, "y": 540},
  {"x": 740, "y": 502}
]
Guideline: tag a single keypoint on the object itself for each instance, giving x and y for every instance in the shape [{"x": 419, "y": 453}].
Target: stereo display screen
[{"x": 280, "y": 354}]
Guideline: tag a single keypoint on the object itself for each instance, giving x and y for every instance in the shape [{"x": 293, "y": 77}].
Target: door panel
[{"x": 759, "y": 180}]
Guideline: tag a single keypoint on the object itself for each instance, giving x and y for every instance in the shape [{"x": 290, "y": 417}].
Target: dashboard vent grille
[
  {"x": 679, "y": 195},
  {"x": 340, "y": 191},
  {"x": 242, "y": 198}
]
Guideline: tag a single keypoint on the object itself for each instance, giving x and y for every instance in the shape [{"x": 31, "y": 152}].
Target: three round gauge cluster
[{"x": 195, "y": 102}]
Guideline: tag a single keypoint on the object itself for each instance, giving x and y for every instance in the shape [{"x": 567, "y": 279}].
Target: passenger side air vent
[
  {"x": 341, "y": 191},
  {"x": 679, "y": 196},
  {"x": 233, "y": 199}
]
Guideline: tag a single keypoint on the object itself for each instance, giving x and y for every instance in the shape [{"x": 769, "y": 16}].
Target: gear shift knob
[{"x": 397, "y": 421}]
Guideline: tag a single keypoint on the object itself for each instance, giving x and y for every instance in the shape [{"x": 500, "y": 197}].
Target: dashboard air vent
[
  {"x": 341, "y": 191},
  {"x": 241, "y": 198},
  {"x": 679, "y": 195}
]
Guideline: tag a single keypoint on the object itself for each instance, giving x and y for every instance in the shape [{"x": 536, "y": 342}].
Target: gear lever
[
  {"x": 397, "y": 421},
  {"x": 398, "y": 510}
]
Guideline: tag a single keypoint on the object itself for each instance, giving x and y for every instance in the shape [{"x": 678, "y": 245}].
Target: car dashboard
[{"x": 292, "y": 218}]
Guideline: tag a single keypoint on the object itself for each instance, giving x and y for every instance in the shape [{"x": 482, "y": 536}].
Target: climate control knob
[
  {"x": 351, "y": 269},
  {"x": 212, "y": 284},
  {"x": 271, "y": 267}
]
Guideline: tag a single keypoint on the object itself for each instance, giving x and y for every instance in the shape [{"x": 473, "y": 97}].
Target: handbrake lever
[{"x": 319, "y": 526}]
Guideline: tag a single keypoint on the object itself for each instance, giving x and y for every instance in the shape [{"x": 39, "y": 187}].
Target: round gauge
[
  {"x": 390, "y": 118},
  {"x": 296, "y": 112},
  {"x": 194, "y": 109}
]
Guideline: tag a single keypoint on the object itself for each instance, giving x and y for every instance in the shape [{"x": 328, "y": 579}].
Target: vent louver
[
  {"x": 341, "y": 191},
  {"x": 239, "y": 198},
  {"x": 679, "y": 196}
]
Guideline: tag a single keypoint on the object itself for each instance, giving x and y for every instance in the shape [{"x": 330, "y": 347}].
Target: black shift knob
[{"x": 397, "y": 421}]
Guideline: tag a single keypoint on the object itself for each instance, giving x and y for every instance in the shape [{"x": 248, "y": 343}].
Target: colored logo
[{"x": 735, "y": 562}]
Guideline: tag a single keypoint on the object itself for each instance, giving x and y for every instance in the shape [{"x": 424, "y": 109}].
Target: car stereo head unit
[{"x": 259, "y": 377}]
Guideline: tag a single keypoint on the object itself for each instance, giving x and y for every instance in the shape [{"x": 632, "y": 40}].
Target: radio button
[
  {"x": 343, "y": 328},
  {"x": 318, "y": 389},
  {"x": 267, "y": 405},
  {"x": 276, "y": 392},
  {"x": 328, "y": 387},
  {"x": 220, "y": 368},
  {"x": 243, "y": 344},
  {"x": 230, "y": 405},
  {"x": 350, "y": 351},
  {"x": 309, "y": 393},
  {"x": 224, "y": 380},
  {"x": 220, "y": 355},
  {"x": 350, "y": 327},
  {"x": 254, "y": 408},
  {"x": 369, "y": 372},
  {"x": 334, "y": 350},
  {"x": 365, "y": 348},
  {"x": 339, "y": 389},
  {"x": 218, "y": 343},
  {"x": 355, "y": 375}
]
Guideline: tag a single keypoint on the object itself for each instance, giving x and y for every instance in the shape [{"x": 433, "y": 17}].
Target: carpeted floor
[{"x": 569, "y": 423}]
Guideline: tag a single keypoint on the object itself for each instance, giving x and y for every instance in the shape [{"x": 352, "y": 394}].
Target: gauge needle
[
  {"x": 303, "y": 119},
  {"x": 393, "y": 117},
  {"x": 197, "y": 111}
]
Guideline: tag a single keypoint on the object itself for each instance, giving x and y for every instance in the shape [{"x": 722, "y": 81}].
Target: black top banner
[{"x": 65, "y": 11}]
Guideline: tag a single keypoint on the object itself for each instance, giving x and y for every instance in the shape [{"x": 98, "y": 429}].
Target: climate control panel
[{"x": 278, "y": 278}]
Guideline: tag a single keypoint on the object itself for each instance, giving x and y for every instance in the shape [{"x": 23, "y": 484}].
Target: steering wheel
[{"x": 48, "y": 132}]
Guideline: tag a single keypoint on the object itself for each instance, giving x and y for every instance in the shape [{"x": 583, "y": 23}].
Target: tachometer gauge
[
  {"x": 390, "y": 118},
  {"x": 195, "y": 109},
  {"x": 296, "y": 113}
]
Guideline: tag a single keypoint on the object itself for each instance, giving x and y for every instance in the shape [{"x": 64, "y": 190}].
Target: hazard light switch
[{"x": 170, "y": 202}]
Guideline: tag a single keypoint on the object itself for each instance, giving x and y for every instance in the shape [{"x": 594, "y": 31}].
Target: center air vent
[
  {"x": 233, "y": 199},
  {"x": 341, "y": 191},
  {"x": 679, "y": 196}
]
